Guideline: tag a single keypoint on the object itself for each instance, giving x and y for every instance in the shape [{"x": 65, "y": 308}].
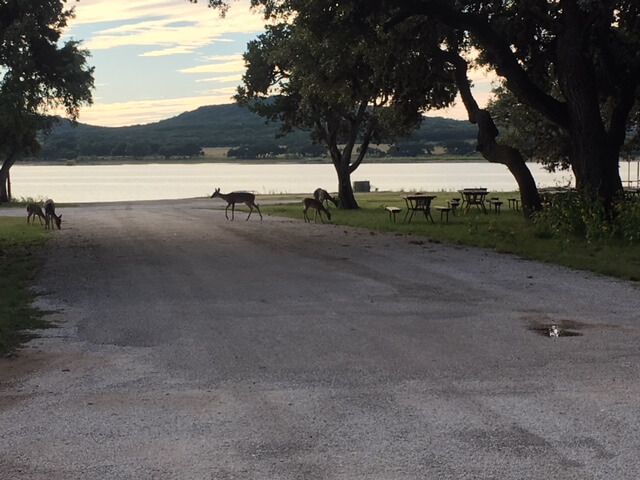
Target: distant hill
[{"x": 210, "y": 126}]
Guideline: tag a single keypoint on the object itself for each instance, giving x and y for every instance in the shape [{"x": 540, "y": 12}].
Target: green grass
[
  {"x": 20, "y": 257},
  {"x": 507, "y": 232}
]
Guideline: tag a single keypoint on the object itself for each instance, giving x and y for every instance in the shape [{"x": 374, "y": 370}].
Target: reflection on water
[{"x": 108, "y": 183}]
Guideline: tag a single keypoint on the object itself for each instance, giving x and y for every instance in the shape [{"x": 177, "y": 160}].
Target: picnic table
[
  {"x": 418, "y": 203},
  {"x": 474, "y": 196}
]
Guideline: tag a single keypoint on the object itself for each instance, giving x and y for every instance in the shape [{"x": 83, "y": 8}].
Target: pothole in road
[{"x": 562, "y": 328}]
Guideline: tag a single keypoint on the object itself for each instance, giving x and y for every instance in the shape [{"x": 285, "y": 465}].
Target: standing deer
[
  {"x": 323, "y": 196},
  {"x": 249, "y": 199},
  {"x": 317, "y": 206},
  {"x": 34, "y": 210},
  {"x": 50, "y": 215}
]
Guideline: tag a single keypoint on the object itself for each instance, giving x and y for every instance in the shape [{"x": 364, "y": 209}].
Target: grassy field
[
  {"x": 507, "y": 232},
  {"x": 20, "y": 258}
]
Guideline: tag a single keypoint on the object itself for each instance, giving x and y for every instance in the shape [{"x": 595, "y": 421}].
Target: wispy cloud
[
  {"x": 220, "y": 64},
  {"x": 147, "y": 111},
  {"x": 226, "y": 79},
  {"x": 178, "y": 28}
]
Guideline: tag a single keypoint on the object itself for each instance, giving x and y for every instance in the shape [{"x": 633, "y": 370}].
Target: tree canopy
[
  {"x": 37, "y": 76},
  {"x": 371, "y": 92}
]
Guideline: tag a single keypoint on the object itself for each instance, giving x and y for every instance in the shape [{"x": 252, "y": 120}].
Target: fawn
[
  {"x": 249, "y": 199},
  {"x": 50, "y": 215},
  {"x": 34, "y": 210},
  {"x": 323, "y": 196},
  {"x": 317, "y": 206}
]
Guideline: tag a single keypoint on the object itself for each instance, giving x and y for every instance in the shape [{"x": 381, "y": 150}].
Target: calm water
[{"x": 110, "y": 183}]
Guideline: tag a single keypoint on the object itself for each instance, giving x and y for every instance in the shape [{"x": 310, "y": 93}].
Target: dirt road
[{"x": 191, "y": 347}]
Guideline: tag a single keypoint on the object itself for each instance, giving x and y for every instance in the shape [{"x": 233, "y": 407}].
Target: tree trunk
[
  {"x": 513, "y": 160},
  {"x": 594, "y": 152},
  {"x": 345, "y": 189},
  {"x": 596, "y": 168},
  {"x": 487, "y": 145},
  {"x": 509, "y": 156},
  {"x": 5, "y": 178}
]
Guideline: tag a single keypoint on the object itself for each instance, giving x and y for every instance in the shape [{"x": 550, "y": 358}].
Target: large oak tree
[
  {"x": 572, "y": 61},
  {"x": 38, "y": 76}
]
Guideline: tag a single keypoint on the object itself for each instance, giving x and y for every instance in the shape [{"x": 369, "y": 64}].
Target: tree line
[
  {"x": 65, "y": 149},
  {"x": 184, "y": 136}
]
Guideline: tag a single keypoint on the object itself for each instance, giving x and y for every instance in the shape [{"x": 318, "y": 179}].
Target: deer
[
  {"x": 249, "y": 199},
  {"x": 34, "y": 210},
  {"x": 317, "y": 206},
  {"x": 50, "y": 215},
  {"x": 323, "y": 196}
]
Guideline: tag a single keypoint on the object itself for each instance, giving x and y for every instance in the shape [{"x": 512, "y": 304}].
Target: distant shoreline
[{"x": 262, "y": 161}]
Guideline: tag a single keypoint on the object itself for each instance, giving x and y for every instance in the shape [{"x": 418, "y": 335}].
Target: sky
[{"x": 155, "y": 59}]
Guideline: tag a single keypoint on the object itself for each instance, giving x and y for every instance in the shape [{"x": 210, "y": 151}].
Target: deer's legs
[{"x": 257, "y": 208}]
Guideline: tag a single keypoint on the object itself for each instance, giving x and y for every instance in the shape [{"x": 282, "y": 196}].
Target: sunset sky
[{"x": 155, "y": 59}]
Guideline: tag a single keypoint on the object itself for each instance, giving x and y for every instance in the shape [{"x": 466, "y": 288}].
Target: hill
[{"x": 210, "y": 126}]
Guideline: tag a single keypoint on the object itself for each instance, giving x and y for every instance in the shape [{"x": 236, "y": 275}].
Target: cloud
[
  {"x": 176, "y": 28},
  {"x": 179, "y": 50},
  {"x": 148, "y": 111},
  {"x": 226, "y": 79},
  {"x": 221, "y": 64}
]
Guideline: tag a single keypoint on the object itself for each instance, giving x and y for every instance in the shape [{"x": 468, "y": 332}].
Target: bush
[{"x": 570, "y": 214}]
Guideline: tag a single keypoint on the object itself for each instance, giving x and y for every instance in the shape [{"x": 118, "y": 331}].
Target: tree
[
  {"x": 300, "y": 74},
  {"x": 407, "y": 148},
  {"x": 139, "y": 149},
  {"x": 458, "y": 148},
  {"x": 36, "y": 76},
  {"x": 120, "y": 150},
  {"x": 487, "y": 144},
  {"x": 586, "y": 49}
]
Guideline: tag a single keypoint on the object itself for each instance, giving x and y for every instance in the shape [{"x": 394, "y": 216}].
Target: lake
[{"x": 110, "y": 183}]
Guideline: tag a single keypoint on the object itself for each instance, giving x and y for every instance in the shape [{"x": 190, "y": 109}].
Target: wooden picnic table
[
  {"x": 418, "y": 203},
  {"x": 474, "y": 196}
]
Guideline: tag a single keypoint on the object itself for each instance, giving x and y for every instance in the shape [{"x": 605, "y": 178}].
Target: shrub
[{"x": 570, "y": 214}]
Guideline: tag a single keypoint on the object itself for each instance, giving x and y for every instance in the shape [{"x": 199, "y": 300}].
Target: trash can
[{"x": 362, "y": 186}]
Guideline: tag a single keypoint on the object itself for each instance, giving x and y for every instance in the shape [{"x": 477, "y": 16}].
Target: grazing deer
[
  {"x": 324, "y": 197},
  {"x": 249, "y": 199},
  {"x": 317, "y": 206},
  {"x": 50, "y": 215},
  {"x": 34, "y": 210}
]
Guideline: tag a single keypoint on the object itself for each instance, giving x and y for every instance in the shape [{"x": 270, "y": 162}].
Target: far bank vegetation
[{"x": 221, "y": 133}]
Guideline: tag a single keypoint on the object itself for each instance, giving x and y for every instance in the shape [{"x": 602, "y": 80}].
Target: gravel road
[{"x": 192, "y": 347}]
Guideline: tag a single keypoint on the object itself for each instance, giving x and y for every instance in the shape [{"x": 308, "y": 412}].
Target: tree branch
[{"x": 505, "y": 62}]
